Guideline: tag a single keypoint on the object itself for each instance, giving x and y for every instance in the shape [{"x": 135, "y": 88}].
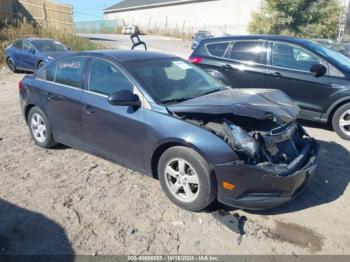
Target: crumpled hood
[
  {"x": 255, "y": 103},
  {"x": 57, "y": 54}
]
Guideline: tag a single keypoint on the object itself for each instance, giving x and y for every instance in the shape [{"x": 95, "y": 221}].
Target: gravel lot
[{"x": 63, "y": 201}]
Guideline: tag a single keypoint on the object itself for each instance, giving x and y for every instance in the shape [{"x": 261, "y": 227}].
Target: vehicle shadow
[
  {"x": 24, "y": 232},
  {"x": 312, "y": 124},
  {"x": 328, "y": 184},
  {"x": 100, "y": 39}
]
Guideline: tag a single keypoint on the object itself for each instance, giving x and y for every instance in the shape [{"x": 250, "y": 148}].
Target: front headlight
[
  {"x": 241, "y": 140},
  {"x": 50, "y": 57}
]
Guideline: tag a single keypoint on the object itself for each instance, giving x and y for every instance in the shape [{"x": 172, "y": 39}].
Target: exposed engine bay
[
  {"x": 258, "y": 124},
  {"x": 260, "y": 142}
]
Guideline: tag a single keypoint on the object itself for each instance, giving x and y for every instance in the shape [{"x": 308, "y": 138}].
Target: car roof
[
  {"x": 37, "y": 38},
  {"x": 257, "y": 37},
  {"x": 128, "y": 55}
]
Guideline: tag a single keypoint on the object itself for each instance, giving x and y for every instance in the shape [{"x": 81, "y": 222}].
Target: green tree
[{"x": 301, "y": 18}]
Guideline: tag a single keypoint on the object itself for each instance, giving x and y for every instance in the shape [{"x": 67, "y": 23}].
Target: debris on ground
[{"x": 234, "y": 222}]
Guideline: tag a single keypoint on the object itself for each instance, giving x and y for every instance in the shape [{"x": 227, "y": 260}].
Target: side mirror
[
  {"x": 124, "y": 98},
  {"x": 31, "y": 50},
  {"x": 318, "y": 70}
]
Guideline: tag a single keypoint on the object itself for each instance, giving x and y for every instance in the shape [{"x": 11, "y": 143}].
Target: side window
[
  {"x": 19, "y": 44},
  {"x": 247, "y": 51},
  {"x": 68, "y": 72},
  {"x": 105, "y": 78},
  {"x": 292, "y": 57},
  {"x": 217, "y": 49},
  {"x": 26, "y": 46}
]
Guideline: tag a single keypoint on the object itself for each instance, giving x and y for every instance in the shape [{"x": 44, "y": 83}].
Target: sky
[{"x": 88, "y": 10}]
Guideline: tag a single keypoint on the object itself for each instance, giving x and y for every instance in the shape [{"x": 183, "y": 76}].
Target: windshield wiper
[
  {"x": 211, "y": 92},
  {"x": 175, "y": 100}
]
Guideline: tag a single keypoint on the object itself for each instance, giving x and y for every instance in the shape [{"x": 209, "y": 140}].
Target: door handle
[
  {"x": 51, "y": 96},
  {"x": 277, "y": 75},
  {"x": 227, "y": 67},
  {"x": 89, "y": 110}
]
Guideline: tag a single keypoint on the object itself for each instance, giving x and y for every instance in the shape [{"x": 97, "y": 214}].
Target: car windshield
[
  {"x": 49, "y": 46},
  {"x": 336, "y": 57},
  {"x": 174, "y": 80}
]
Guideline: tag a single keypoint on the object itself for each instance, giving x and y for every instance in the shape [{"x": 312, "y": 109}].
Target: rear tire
[
  {"x": 341, "y": 121},
  {"x": 39, "y": 128},
  {"x": 186, "y": 178}
]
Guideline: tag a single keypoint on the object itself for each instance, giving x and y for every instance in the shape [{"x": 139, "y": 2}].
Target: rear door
[
  {"x": 115, "y": 132},
  {"x": 242, "y": 62},
  {"x": 288, "y": 70},
  {"x": 62, "y": 92},
  {"x": 246, "y": 63}
]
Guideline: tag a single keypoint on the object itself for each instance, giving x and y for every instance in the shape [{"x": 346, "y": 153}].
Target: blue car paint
[
  {"x": 29, "y": 60},
  {"x": 133, "y": 137}
]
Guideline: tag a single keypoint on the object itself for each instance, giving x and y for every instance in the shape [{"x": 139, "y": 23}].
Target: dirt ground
[{"x": 63, "y": 201}]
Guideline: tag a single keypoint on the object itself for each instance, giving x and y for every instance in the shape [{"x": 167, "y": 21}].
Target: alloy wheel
[
  {"x": 344, "y": 122},
  {"x": 182, "y": 180},
  {"x": 38, "y": 127}
]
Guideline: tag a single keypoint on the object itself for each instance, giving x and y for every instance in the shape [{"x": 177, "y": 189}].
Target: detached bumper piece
[{"x": 267, "y": 185}]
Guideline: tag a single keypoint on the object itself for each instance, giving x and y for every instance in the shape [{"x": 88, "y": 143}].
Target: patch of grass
[{"x": 10, "y": 32}]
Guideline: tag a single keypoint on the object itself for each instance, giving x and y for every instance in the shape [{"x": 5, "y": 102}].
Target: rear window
[
  {"x": 247, "y": 51},
  {"x": 217, "y": 49}
]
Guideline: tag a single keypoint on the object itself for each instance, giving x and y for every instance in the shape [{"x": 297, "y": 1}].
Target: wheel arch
[
  {"x": 335, "y": 106},
  {"x": 39, "y": 61},
  {"x": 161, "y": 148},
  {"x": 27, "y": 110},
  {"x": 217, "y": 74}
]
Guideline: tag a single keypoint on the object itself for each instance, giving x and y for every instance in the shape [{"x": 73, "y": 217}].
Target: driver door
[
  {"x": 28, "y": 56},
  {"x": 288, "y": 70},
  {"x": 115, "y": 132}
]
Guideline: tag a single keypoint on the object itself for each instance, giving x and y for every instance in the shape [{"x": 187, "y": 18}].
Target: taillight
[
  {"x": 195, "y": 60},
  {"x": 20, "y": 85}
]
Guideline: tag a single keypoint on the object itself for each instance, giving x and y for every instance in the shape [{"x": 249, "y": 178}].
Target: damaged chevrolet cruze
[{"x": 169, "y": 119}]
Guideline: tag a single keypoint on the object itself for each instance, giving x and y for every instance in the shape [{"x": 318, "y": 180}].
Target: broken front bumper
[{"x": 264, "y": 187}]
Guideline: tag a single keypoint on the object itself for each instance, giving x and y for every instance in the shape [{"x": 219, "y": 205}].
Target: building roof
[{"x": 141, "y": 4}]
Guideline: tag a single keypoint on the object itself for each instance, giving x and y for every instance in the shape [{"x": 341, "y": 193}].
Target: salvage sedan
[{"x": 169, "y": 119}]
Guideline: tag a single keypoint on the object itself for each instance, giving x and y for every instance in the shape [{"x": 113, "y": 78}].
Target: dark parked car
[
  {"x": 167, "y": 118},
  {"x": 198, "y": 37},
  {"x": 315, "y": 77},
  {"x": 343, "y": 48},
  {"x": 29, "y": 54}
]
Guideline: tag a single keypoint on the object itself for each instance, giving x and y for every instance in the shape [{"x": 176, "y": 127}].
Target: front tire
[
  {"x": 40, "y": 129},
  {"x": 41, "y": 64},
  {"x": 11, "y": 65},
  {"x": 186, "y": 178},
  {"x": 341, "y": 121}
]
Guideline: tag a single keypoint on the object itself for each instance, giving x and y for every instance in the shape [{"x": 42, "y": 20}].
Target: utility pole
[{"x": 343, "y": 20}]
